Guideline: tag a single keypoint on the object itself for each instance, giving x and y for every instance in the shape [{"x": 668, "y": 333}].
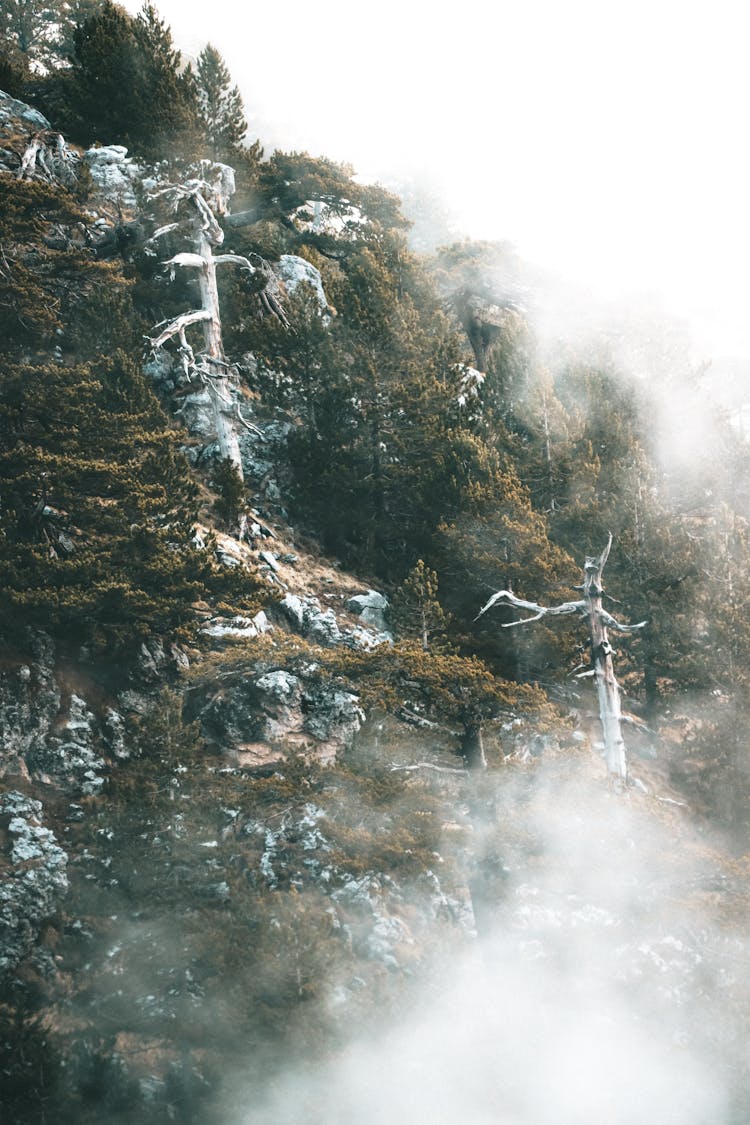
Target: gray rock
[
  {"x": 278, "y": 685},
  {"x": 30, "y": 702},
  {"x": 114, "y": 173},
  {"x": 159, "y": 367},
  {"x": 228, "y": 560},
  {"x": 11, "y": 108},
  {"x": 198, "y": 414},
  {"x": 293, "y": 608},
  {"x": 320, "y": 626},
  {"x": 270, "y": 560},
  {"x": 265, "y": 458},
  {"x": 261, "y": 623},
  {"x": 114, "y": 732},
  {"x": 39, "y": 738},
  {"x": 323, "y": 628},
  {"x": 259, "y": 720},
  {"x": 333, "y": 714},
  {"x": 240, "y": 627},
  {"x": 371, "y": 607},
  {"x": 33, "y": 883},
  {"x": 307, "y": 617},
  {"x": 294, "y": 272},
  {"x": 151, "y": 660}
]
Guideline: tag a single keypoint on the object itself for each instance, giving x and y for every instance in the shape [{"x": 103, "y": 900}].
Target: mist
[
  {"x": 604, "y": 988},
  {"x": 606, "y": 145}
]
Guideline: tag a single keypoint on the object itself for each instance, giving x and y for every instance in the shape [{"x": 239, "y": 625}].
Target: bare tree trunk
[
  {"x": 599, "y": 620},
  {"x": 607, "y": 688},
  {"x": 219, "y": 378},
  {"x": 221, "y": 383}
]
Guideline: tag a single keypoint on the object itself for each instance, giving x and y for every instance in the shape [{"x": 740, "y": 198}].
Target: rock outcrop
[
  {"x": 50, "y": 735},
  {"x": 32, "y": 877},
  {"x": 115, "y": 174},
  {"x": 294, "y": 272},
  {"x": 259, "y": 720},
  {"x": 372, "y": 608},
  {"x": 12, "y": 110},
  {"x": 321, "y": 626}
]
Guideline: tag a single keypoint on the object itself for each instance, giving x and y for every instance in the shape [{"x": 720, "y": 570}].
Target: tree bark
[
  {"x": 599, "y": 620},
  {"x": 210, "y": 366},
  {"x": 607, "y": 688}
]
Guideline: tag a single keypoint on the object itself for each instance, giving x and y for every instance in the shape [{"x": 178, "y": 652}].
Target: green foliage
[
  {"x": 14, "y": 70},
  {"x": 370, "y": 460},
  {"x": 97, "y": 505},
  {"x": 228, "y": 484},
  {"x": 220, "y": 109},
  {"x": 415, "y": 608},
  {"x": 126, "y": 85},
  {"x": 448, "y": 686},
  {"x": 36, "y": 29},
  {"x": 495, "y": 540},
  {"x": 37, "y": 283},
  {"x": 163, "y": 736}
]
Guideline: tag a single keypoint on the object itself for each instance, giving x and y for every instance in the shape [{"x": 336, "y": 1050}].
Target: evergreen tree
[
  {"x": 228, "y": 484},
  {"x": 490, "y": 539},
  {"x": 220, "y": 109},
  {"x": 416, "y": 610},
  {"x": 36, "y": 29},
  {"x": 126, "y": 84}
]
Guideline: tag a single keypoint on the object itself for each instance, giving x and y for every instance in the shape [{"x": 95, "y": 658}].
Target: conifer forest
[{"x": 374, "y": 665}]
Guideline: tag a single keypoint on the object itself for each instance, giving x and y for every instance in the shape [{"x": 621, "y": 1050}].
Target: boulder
[
  {"x": 70, "y": 757},
  {"x": 321, "y": 626},
  {"x": 30, "y": 701},
  {"x": 293, "y": 272},
  {"x": 13, "y": 110},
  {"x": 371, "y": 607},
  {"x": 243, "y": 628}
]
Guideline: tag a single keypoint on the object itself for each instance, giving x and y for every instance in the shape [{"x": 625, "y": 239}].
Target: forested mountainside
[{"x": 281, "y": 813}]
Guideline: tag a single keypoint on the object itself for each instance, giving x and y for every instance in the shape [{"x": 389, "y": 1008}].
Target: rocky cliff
[{"x": 230, "y": 849}]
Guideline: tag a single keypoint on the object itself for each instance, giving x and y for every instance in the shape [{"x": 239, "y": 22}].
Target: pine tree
[
  {"x": 228, "y": 484},
  {"x": 37, "y": 30},
  {"x": 492, "y": 538},
  {"x": 126, "y": 84},
  {"x": 416, "y": 610},
  {"x": 220, "y": 108}
]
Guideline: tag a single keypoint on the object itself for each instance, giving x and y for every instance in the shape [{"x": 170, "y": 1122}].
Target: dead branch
[
  {"x": 177, "y": 326},
  {"x": 539, "y": 611},
  {"x": 427, "y": 766}
]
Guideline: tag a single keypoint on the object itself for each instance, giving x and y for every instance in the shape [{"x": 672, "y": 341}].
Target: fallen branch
[{"x": 427, "y": 766}]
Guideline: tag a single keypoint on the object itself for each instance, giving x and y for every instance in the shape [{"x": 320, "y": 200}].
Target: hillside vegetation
[{"x": 265, "y": 771}]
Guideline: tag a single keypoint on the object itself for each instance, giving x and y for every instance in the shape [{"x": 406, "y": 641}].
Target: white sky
[{"x": 607, "y": 140}]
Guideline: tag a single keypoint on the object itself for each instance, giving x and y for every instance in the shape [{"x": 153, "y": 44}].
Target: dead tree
[
  {"x": 599, "y": 621},
  {"x": 203, "y": 199}
]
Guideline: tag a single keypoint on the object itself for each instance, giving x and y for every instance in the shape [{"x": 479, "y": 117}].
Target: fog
[
  {"x": 605, "y": 143},
  {"x": 602, "y": 989}
]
